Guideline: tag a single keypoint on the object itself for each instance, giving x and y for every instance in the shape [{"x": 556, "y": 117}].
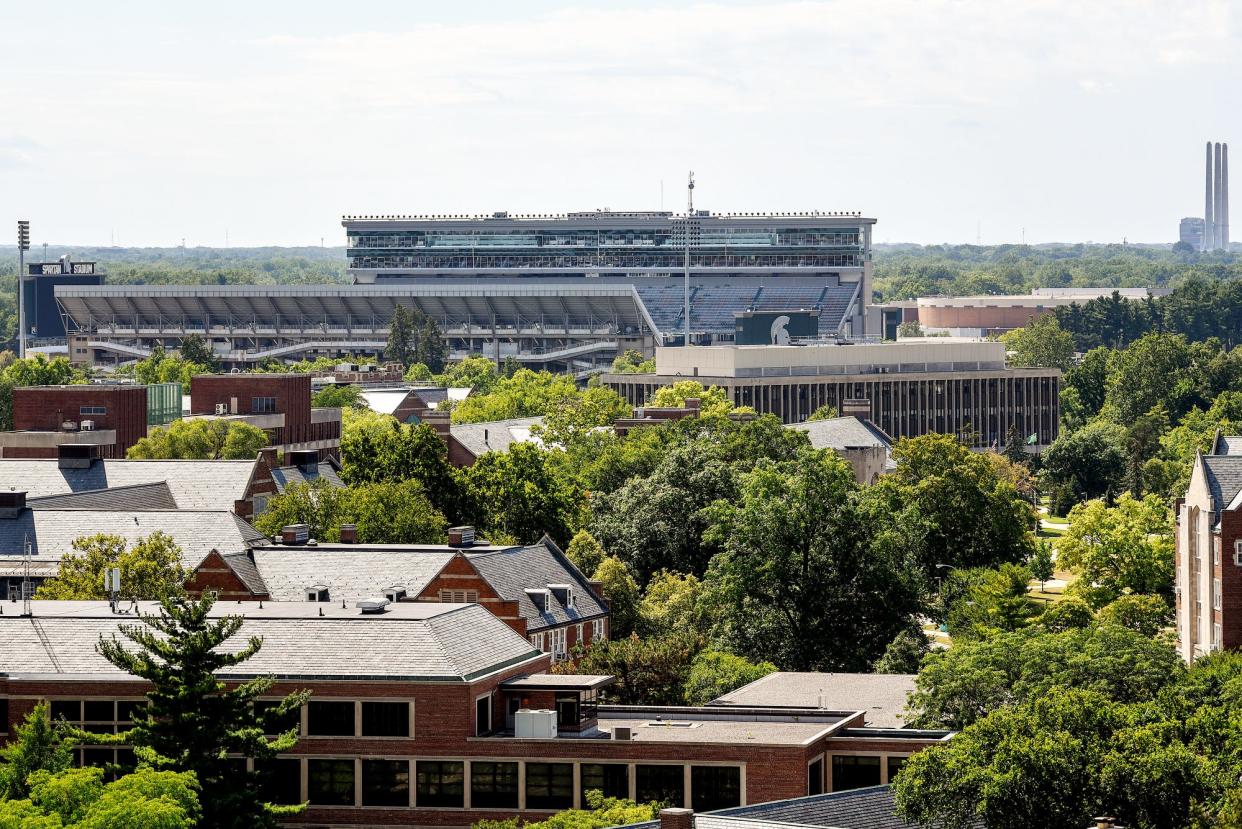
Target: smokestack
[
  {"x": 1217, "y": 234},
  {"x": 1208, "y": 201},
  {"x": 1224, "y": 196}
]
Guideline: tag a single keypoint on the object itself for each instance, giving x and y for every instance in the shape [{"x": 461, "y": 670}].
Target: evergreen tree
[
  {"x": 193, "y": 721},
  {"x": 432, "y": 350},
  {"x": 1014, "y": 441},
  {"x": 400, "y": 337}
]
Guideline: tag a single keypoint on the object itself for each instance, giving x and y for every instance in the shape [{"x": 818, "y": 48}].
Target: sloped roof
[
  {"x": 151, "y": 496},
  {"x": 511, "y": 571},
  {"x": 843, "y": 433},
  {"x": 195, "y": 485},
  {"x": 495, "y": 435},
  {"x": 410, "y": 641},
  {"x": 286, "y": 476},
  {"x": 52, "y": 531},
  {"x": 882, "y": 696},
  {"x": 1227, "y": 444},
  {"x": 349, "y": 572},
  {"x": 1224, "y": 479},
  {"x": 868, "y": 808}
]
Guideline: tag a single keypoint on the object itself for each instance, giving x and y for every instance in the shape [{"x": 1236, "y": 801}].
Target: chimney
[
  {"x": 269, "y": 455},
  {"x": 76, "y": 455},
  {"x": 12, "y": 503},
  {"x": 294, "y": 534},
  {"x": 1217, "y": 233},
  {"x": 1224, "y": 196},
  {"x": 461, "y": 536},
  {"x": 693, "y": 403},
  {"x": 349, "y": 533},
  {"x": 436, "y": 420},
  {"x": 676, "y": 819},
  {"x": 1208, "y": 202}
]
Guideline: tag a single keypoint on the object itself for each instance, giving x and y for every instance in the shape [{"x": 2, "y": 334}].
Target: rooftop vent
[
  {"x": 461, "y": 536},
  {"x": 12, "y": 503},
  {"x": 349, "y": 533},
  {"x": 76, "y": 455},
  {"x": 395, "y": 593},
  {"x": 372, "y": 606},
  {"x": 295, "y": 534},
  {"x": 622, "y": 732}
]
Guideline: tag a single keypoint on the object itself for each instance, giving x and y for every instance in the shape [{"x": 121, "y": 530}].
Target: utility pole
[
  {"x": 23, "y": 245},
  {"x": 689, "y": 219}
]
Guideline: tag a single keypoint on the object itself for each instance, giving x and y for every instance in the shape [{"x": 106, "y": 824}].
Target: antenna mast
[
  {"x": 26, "y": 591},
  {"x": 689, "y": 218}
]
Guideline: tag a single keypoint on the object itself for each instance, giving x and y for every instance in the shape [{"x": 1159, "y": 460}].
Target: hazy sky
[{"x": 150, "y": 122}]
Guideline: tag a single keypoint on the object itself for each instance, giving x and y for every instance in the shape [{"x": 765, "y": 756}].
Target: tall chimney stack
[
  {"x": 1217, "y": 233},
  {"x": 1208, "y": 201},
  {"x": 1224, "y": 196}
]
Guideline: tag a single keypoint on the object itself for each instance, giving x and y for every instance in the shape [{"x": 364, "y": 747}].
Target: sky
[{"x": 262, "y": 122}]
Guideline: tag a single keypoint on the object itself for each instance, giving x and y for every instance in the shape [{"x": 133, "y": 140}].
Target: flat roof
[
  {"x": 881, "y": 696},
  {"x": 756, "y": 726},
  {"x": 560, "y": 682}
]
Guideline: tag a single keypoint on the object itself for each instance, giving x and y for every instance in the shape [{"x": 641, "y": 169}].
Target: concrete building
[
  {"x": 908, "y": 388},
  {"x": 1209, "y": 553},
  {"x": 442, "y": 715},
  {"x": 1191, "y": 232}
]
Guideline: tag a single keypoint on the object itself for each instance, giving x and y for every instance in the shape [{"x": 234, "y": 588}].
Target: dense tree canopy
[
  {"x": 151, "y": 569},
  {"x": 206, "y": 439},
  {"x": 383, "y": 513},
  {"x": 1042, "y": 342},
  {"x": 1119, "y": 550}
]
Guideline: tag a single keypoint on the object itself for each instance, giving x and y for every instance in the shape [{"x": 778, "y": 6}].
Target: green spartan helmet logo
[{"x": 780, "y": 333}]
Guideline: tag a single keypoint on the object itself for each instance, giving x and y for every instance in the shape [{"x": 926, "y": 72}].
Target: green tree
[
  {"x": 340, "y": 396},
  {"x": 1143, "y": 614},
  {"x": 824, "y": 412},
  {"x": 1089, "y": 380},
  {"x": 1089, "y": 463},
  {"x": 1041, "y": 566},
  {"x": 383, "y": 513},
  {"x": 1127, "y": 548},
  {"x": 476, "y": 373},
  {"x": 632, "y": 362},
  {"x": 161, "y": 367},
  {"x": 648, "y": 671},
  {"x": 151, "y": 569},
  {"x": 905, "y": 653},
  {"x": 520, "y": 492},
  {"x": 1070, "y": 612},
  {"x": 716, "y": 673},
  {"x": 192, "y": 719},
  {"x": 956, "y": 502},
  {"x": 80, "y": 799},
  {"x": 712, "y": 401},
  {"x": 1042, "y": 342},
  {"x": 994, "y": 600},
  {"x": 570, "y": 419},
  {"x": 1142, "y": 443},
  {"x": 800, "y": 565},
  {"x": 525, "y": 394},
  {"x": 400, "y": 347},
  {"x": 1015, "y": 442},
  {"x": 600, "y": 813},
  {"x": 621, "y": 591},
  {"x": 32, "y": 371},
  {"x": 672, "y": 604},
  {"x": 206, "y": 439},
  {"x": 430, "y": 348},
  {"x": 585, "y": 552},
  {"x": 37, "y": 744},
  {"x": 194, "y": 349},
  {"x": 375, "y": 448}
]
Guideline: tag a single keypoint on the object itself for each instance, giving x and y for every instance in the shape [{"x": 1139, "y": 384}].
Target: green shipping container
[{"x": 163, "y": 403}]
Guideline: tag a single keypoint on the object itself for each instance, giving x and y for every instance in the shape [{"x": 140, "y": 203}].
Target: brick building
[
  {"x": 279, "y": 404},
  {"x": 442, "y": 715},
  {"x": 109, "y": 417},
  {"x": 1209, "y": 553}
]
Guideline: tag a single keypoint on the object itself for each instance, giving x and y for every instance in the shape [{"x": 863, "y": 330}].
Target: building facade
[
  {"x": 279, "y": 404},
  {"x": 907, "y": 389},
  {"x": 108, "y": 417}
]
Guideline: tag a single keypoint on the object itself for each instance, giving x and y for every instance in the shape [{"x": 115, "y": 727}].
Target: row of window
[
  {"x": 853, "y": 772},
  {"x": 490, "y": 784},
  {"x": 555, "y": 640}
]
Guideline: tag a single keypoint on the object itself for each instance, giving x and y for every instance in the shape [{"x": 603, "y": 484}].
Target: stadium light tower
[
  {"x": 689, "y": 219},
  {"x": 23, "y": 245}
]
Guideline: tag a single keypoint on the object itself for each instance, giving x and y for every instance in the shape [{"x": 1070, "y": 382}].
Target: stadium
[{"x": 567, "y": 292}]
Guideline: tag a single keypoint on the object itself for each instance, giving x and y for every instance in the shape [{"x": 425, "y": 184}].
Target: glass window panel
[
  {"x": 99, "y": 711},
  {"x": 815, "y": 777},
  {"x": 97, "y": 756},
  {"x": 330, "y": 719},
  {"x": 280, "y": 780},
  {"x": 441, "y": 783},
  {"x": 612, "y": 779},
  {"x": 850, "y": 772},
  {"x": 385, "y": 783},
  {"x": 67, "y": 709},
  {"x": 894, "y": 766},
  {"x": 494, "y": 785},
  {"x": 549, "y": 785},
  {"x": 330, "y": 782},
  {"x": 661, "y": 784},
  {"x": 274, "y": 723},
  {"x": 385, "y": 719},
  {"x": 127, "y": 709},
  {"x": 715, "y": 787}
]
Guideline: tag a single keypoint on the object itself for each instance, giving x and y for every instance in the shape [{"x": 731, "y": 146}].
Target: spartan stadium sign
[{"x": 774, "y": 327}]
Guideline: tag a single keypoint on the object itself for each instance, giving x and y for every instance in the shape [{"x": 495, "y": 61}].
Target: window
[
  {"x": 494, "y": 785},
  {"x": 612, "y": 779},
  {"x": 99, "y": 711},
  {"x": 275, "y": 723},
  {"x": 715, "y": 787},
  {"x": 260, "y": 504},
  {"x": 385, "y": 783},
  {"x": 280, "y": 780},
  {"x": 1237, "y": 552},
  {"x": 597, "y": 629},
  {"x": 330, "y": 719},
  {"x": 894, "y": 766},
  {"x": 536, "y": 639},
  {"x": 578, "y": 634},
  {"x": 661, "y": 784},
  {"x": 459, "y": 596},
  {"x": 441, "y": 783},
  {"x": 318, "y": 593},
  {"x": 92, "y": 410},
  {"x": 815, "y": 776},
  {"x": 385, "y": 719},
  {"x": 1217, "y": 634},
  {"x": 559, "y": 651},
  {"x": 1216, "y": 594},
  {"x": 4, "y": 716},
  {"x": 66, "y": 709},
  {"x": 482, "y": 715},
  {"x": 850, "y": 772},
  {"x": 262, "y": 405},
  {"x": 549, "y": 785},
  {"x": 330, "y": 782}
]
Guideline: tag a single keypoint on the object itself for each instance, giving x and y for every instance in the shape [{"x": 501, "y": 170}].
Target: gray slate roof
[
  {"x": 52, "y": 532},
  {"x": 352, "y": 573},
  {"x": 1224, "y": 478},
  {"x": 869, "y": 808},
  {"x": 882, "y": 696},
  {"x": 1227, "y": 445},
  {"x": 410, "y": 641},
  {"x": 117, "y": 499},
  {"x": 286, "y": 476},
  {"x": 196, "y": 485},
  {"x": 843, "y": 433},
  {"x": 512, "y": 570},
  {"x": 495, "y": 435}
]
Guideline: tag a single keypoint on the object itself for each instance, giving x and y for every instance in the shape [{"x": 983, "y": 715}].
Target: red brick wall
[
  {"x": 1230, "y": 615},
  {"x": 44, "y": 408},
  {"x": 459, "y": 574},
  {"x": 292, "y": 393},
  {"x": 213, "y": 574}
]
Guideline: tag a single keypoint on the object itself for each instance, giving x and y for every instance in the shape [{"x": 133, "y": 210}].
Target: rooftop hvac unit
[
  {"x": 622, "y": 732},
  {"x": 222, "y": 408},
  {"x": 87, "y": 426},
  {"x": 534, "y": 724}
]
